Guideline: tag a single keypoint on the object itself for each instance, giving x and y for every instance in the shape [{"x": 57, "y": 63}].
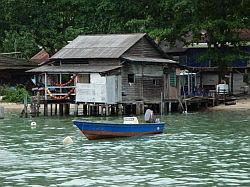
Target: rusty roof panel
[{"x": 7, "y": 62}]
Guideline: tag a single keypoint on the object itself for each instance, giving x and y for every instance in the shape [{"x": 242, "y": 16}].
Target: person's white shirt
[{"x": 148, "y": 117}]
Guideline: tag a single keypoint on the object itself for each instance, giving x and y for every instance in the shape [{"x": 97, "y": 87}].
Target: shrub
[
  {"x": 14, "y": 94},
  {"x": 2, "y": 90}
]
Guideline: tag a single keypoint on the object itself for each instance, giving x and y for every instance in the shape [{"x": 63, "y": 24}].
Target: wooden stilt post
[
  {"x": 45, "y": 95},
  {"x": 95, "y": 110},
  {"x": 26, "y": 106},
  {"x": 85, "y": 110},
  {"x": 1, "y": 112},
  {"x": 55, "y": 109},
  {"x": 38, "y": 103},
  {"x": 169, "y": 106},
  {"x": 45, "y": 108},
  {"x": 106, "y": 110},
  {"x": 51, "y": 109},
  {"x": 137, "y": 108},
  {"x": 101, "y": 110},
  {"x": 161, "y": 104},
  {"x": 89, "y": 110},
  {"x": 76, "y": 109},
  {"x": 142, "y": 108},
  {"x": 60, "y": 109},
  {"x": 119, "y": 109},
  {"x": 69, "y": 108},
  {"x": 112, "y": 110},
  {"x": 66, "y": 108},
  {"x": 32, "y": 107}
]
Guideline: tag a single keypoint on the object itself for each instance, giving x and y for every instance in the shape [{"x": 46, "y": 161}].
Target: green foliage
[
  {"x": 22, "y": 41},
  {"x": 220, "y": 22},
  {"x": 26, "y": 25},
  {"x": 12, "y": 94}
]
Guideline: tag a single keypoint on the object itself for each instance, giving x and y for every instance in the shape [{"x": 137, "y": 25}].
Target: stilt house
[
  {"x": 13, "y": 71},
  {"x": 125, "y": 71},
  {"x": 203, "y": 76}
]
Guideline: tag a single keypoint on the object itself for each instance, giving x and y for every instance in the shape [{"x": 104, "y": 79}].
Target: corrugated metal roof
[
  {"x": 73, "y": 69},
  {"x": 7, "y": 62},
  {"x": 98, "y": 46},
  {"x": 148, "y": 59},
  {"x": 40, "y": 57}
]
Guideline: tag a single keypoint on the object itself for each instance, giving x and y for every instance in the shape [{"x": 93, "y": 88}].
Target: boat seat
[{"x": 130, "y": 120}]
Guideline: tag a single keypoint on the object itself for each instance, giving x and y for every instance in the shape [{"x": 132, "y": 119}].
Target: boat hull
[{"x": 95, "y": 131}]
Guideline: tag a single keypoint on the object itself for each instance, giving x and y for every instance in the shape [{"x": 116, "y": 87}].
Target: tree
[
  {"x": 51, "y": 23},
  {"x": 219, "y": 23},
  {"x": 22, "y": 41}
]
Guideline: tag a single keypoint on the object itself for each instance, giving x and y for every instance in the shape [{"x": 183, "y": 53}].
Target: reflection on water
[{"x": 196, "y": 149}]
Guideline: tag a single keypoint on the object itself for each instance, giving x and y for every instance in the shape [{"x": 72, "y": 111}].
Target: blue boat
[{"x": 93, "y": 130}]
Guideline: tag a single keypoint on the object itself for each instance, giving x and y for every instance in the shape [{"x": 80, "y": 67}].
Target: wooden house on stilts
[
  {"x": 13, "y": 71},
  {"x": 107, "y": 74}
]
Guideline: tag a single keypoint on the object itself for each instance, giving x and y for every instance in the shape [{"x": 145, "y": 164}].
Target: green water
[{"x": 199, "y": 149}]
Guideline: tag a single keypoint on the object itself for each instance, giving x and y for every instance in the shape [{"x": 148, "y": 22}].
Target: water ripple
[{"x": 197, "y": 149}]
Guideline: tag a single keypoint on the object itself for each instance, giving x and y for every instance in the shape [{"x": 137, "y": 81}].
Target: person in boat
[{"x": 149, "y": 116}]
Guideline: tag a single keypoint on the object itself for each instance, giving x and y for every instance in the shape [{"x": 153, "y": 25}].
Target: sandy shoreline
[
  {"x": 11, "y": 105},
  {"x": 241, "y": 104}
]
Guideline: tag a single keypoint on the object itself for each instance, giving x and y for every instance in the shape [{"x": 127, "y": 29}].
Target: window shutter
[{"x": 172, "y": 77}]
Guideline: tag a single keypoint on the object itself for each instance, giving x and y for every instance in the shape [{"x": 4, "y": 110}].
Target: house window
[
  {"x": 131, "y": 78},
  {"x": 84, "y": 78},
  {"x": 245, "y": 78},
  {"x": 154, "y": 82},
  {"x": 172, "y": 77}
]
